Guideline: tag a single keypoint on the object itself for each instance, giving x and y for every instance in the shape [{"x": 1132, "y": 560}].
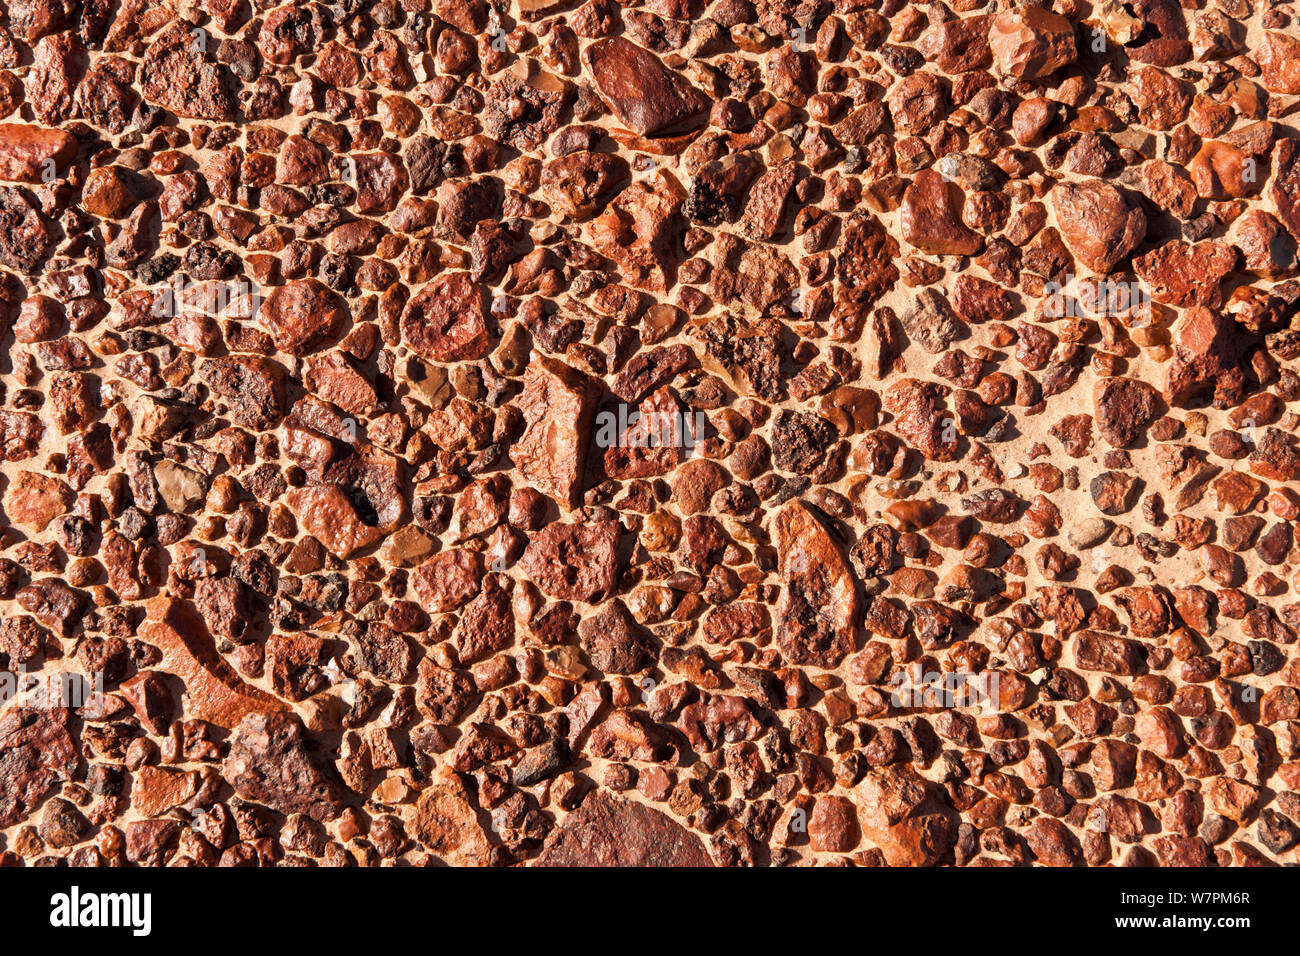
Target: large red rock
[
  {"x": 1285, "y": 191},
  {"x": 1279, "y": 61},
  {"x": 1099, "y": 224},
  {"x": 931, "y": 217},
  {"x": 1181, "y": 274},
  {"x": 270, "y": 762},
  {"x": 639, "y": 229},
  {"x": 36, "y": 753},
  {"x": 179, "y": 76},
  {"x": 445, "y": 321},
  {"x": 647, "y": 97},
  {"x": 923, "y": 418},
  {"x": 817, "y": 616},
  {"x": 612, "y": 831},
  {"x": 1124, "y": 409},
  {"x": 573, "y": 562},
  {"x": 33, "y": 500},
  {"x": 302, "y": 315},
  {"x": 558, "y": 403},
  {"x": 445, "y": 821},
  {"x": 902, "y": 815},
  {"x": 26, "y": 152},
  {"x": 213, "y": 691},
  {"x": 1206, "y": 361},
  {"x": 1031, "y": 42}
]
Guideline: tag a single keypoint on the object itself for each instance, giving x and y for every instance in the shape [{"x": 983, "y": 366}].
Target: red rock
[
  {"x": 1053, "y": 844},
  {"x": 270, "y": 762},
  {"x": 1031, "y": 42},
  {"x": 20, "y": 435},
  {"x": 1205, "y": 361},
  {"x": 902, "y": 815},
  {"x": 648, "y": 98},
  {"x": 573, "y": 562},
  {"x": 253, "y": 386},
  {"x": 959, "y": 45},
  {"x": 557, "y": 403},
  {"x": 1161, "y": 732},
  {"x": 36, "y": 754},
  {"x": 581, "y": 184},
  {"x": 33, "y": 500},
  {"x": 445, "y": 321},
  {"x": 917, "y": 102},
  {"x": 335, "y": 378},
  {"x": 1184, "y": 275},
  {"x": 381, "y": 179},
  {"x": 1124, "y": 410},
  {"x": 1162, "y": 100},
  {"x": 447, "y": 580},
  {"x": 638, "y": 231},
  {"x": 24, "y": 237},
  {"x": 1233, "y": 799},
  {"x": 445, "y": 821},
  {"x": 213, "y": 691},
  {"x": 833, "y": 825},
  {"x": 1094, "y": 651},
  {"x": 302, "y": 315},
  {"x": 1266, "y": 247},
  {"x": 1161, "y": 33},
  {"x": 26, "y": 153},
  {"x": 155, "y": 790},
  {"x": 301, "y": 163},
  {"x": 1222, "y": 171},
  {"x": 178, "y": 77},
  {"x": 1285, "y": 191},
  {"x": 610, "y": 831},
  {"x": 1279, "y": 61},
  {"x": 923, "y": 418},
  {"x": 816, "y": 617},
  {"x": 106, "y": 193},
  {"x": 1098, "y": 223},
  {"x": 931, "y": 217}
]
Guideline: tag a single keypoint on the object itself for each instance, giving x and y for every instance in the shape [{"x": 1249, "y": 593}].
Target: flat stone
[
  {"x": 558, "y": 403},
  {"x": 647, "y": 97},
  {"x": 213, "y": 691},
  {"x": 612, "y": 831},
  {"x": 819, "y": 604},
  {"x": 26, "y": 153},
  {"x": 1099, "y": 224}
]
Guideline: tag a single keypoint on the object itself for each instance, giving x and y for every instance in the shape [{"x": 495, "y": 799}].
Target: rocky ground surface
[{"x": 328, "y": 327}]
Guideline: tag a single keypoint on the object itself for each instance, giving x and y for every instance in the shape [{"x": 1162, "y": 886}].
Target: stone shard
[
  {"x": 558, "y": 404},
  {"x": 213, "y": 690},
  {"x": 817, "y": 616},
  {"x": 270, "y": 762},
  {"x": 1098, "y": 223},
  {"x": 648, "y": 98},
  {"x": 613, "y": 831}
]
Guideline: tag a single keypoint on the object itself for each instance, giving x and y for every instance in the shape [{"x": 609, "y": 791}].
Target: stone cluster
[{"x": 317, "y": 316}]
